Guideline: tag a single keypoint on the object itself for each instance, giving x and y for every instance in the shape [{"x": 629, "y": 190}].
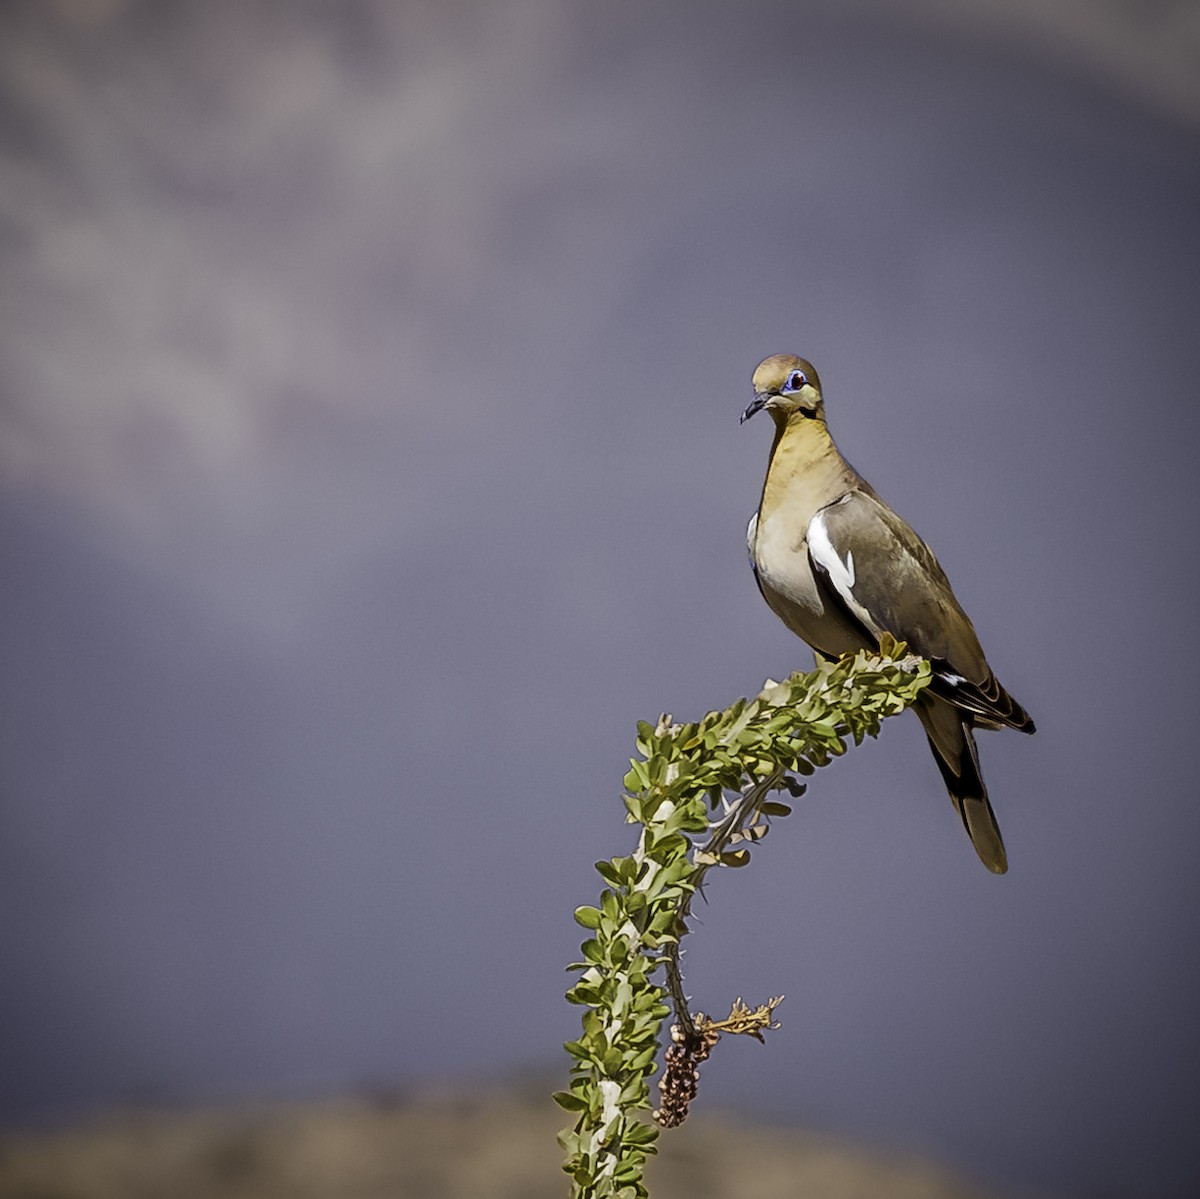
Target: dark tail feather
[{"x": 953, "y": 745}]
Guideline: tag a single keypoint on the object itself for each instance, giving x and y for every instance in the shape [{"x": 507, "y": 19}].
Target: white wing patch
[
  {"x": 841, "y": 574},
  {"x": 751, "y": 534}
]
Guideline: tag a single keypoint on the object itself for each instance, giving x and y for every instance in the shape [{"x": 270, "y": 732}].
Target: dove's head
[{"x": 786, "y": 386}]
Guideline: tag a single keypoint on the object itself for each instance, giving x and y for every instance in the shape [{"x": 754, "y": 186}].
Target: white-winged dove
[{"x": 839, "y": 568}]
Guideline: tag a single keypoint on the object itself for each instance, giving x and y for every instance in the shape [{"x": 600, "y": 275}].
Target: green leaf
[
  {"x": 609, "y": 873},
  {"x": 588, "y": 917},
  {"x": 641, "y": 1134},
  {"x": 637, "y": 778}
]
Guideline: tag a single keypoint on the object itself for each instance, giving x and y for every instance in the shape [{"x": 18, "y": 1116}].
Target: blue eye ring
[{"x": 795, "y": 381}]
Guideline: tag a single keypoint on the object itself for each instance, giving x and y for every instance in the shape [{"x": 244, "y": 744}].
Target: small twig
[
  {"x": 746, "y": 807},
  {"x": 693, "y": 1038},
  {"x": 675, "y": 987},
  {"x": 742, "y": 1021}
]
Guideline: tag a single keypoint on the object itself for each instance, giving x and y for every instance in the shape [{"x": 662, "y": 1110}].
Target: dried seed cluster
[{"x": 681, "y": 1078}]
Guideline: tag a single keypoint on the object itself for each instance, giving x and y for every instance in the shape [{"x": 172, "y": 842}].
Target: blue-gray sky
[{"x": 371, "y": 465}]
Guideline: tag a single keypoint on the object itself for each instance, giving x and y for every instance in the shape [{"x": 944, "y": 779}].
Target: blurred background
[{"x": 370, "y": 461}]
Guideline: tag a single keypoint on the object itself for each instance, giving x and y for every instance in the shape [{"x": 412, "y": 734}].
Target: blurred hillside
[{"x": 493, "y": 1145}]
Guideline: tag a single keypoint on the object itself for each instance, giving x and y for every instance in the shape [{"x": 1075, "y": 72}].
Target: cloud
[{"x": 240, "y": 257}]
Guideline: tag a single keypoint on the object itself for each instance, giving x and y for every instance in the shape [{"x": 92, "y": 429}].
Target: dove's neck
[{"x": 806, "y": 470}]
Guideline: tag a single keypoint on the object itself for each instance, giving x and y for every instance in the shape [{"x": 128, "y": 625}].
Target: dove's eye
[{"x": 795, "y": 381}]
